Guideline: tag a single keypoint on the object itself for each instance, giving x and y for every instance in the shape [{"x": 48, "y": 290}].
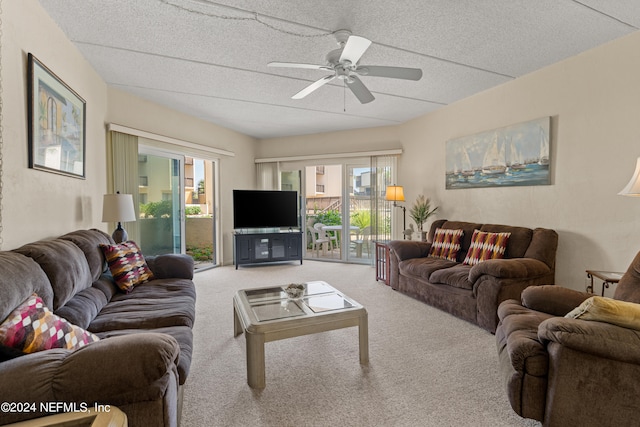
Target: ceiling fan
[{"x": 343, "y": 62}]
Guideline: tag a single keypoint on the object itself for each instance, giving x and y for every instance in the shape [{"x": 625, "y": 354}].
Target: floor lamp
[
  {"x": 118, "y": 208},
  {"x": 395, "y": 193}
]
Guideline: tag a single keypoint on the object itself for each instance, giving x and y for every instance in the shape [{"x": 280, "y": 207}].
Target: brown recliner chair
[{"x": 565, "y": 371}]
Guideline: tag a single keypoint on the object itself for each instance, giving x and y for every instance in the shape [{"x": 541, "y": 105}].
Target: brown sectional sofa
[
  {"x": 142, "y": 359},
  {"x": 473, "y": 293}
]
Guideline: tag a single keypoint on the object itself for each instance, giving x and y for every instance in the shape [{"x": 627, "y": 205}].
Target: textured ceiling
[{"x": 209, "y": 59}]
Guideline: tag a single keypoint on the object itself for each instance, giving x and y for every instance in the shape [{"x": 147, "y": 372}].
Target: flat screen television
[{"x": 265, "y": 209}]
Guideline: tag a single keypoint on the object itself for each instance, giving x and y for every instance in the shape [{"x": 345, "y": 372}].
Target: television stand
[{"x": 257, "y": 248}]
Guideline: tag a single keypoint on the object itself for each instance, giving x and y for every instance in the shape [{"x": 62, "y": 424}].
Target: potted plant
[{"x": 420, "y": 212}]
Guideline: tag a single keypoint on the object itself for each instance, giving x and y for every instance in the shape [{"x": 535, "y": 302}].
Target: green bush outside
[
  {"x": 163, "y": 209},
  {"x": 200, "y": 253},
  {"x": 331, "y": 217},
  {"x": 361, "y": 219},
  {"x": 192, "y": 210}
]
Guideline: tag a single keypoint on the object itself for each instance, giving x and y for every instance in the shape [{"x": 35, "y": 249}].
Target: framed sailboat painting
[{"x": 516, "y": 155}]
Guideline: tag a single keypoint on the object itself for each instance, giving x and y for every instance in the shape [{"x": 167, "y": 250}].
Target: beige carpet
[{"x": 426, "y": 368}]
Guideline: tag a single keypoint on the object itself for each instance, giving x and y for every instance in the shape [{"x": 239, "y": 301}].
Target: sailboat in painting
[
  {"x": 544, "y": 149},
  {"x": 516, "y": 158},
  {"x": 494, "y": 160},
  {"x": 467, "y": 169}
]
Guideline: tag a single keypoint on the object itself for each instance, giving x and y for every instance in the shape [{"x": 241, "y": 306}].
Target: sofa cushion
[
  {"x": 607, "y": 310},
  {"x": 628, "y": 289},
  {"x": 166, "y": 266},
  {"x": 486, "y": 245},
  {"x": 423, "y": 267},
  {"x": 446, "y": 244},
  {"x": 552, "y": 299},
  {"x": 83, "y": 307},
  {"x": 127, "y": 264},
  {"x": 156, "y": 304},
  {"x": 21, "y": 276},
  {"x": 456, "y": 276},
  {"x": 89, "y": 242},
  {"x": 543, "y": 247},
  {"x": 64, "y": 264},
  {"x": 31, "y": 327}
]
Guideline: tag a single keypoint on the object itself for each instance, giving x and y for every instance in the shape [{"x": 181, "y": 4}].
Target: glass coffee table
[{"x": 268, "y": 314}]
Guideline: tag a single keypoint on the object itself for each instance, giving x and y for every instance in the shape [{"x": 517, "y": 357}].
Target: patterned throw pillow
[
  {"x": 127, "y": 265},
  {"x": 446, "y": 244},
  {"x": 486, "y": 245},
  {"x": 32, "y": 327}
]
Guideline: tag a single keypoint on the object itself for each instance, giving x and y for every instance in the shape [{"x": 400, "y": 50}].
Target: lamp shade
[
  {"x": 118, "y": 208},
  {"x": 633, "y": 187},
  {"x": 395, "y": 193}
]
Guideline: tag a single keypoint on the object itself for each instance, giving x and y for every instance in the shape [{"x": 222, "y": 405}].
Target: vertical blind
[
  {"x": 268, "y": 176},
  {"x": 383, "y": 169}
]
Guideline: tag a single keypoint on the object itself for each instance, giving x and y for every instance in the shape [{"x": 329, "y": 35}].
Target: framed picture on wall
[
  {"x": 516, "y": 155},
  {"x": 57, "y": 123}
]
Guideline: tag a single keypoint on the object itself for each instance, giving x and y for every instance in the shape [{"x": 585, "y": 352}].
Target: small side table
[
  {"x": 608, "y": 278},
  {"x": 382, "y": 261}
]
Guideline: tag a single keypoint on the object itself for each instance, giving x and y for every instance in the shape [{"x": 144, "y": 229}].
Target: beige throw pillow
[{"x": 602, "y": 309}]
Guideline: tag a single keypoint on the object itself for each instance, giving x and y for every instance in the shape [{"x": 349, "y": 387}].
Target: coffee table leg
[
  {"x": 255, "y": 360},
  {"x": 363, "y": 332},
  {"x": 237, "y": 325}
]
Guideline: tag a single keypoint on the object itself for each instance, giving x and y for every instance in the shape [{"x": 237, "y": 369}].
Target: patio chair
[
  {"x": 323, "y": 234},
  {"x": 318, "y": 241}
]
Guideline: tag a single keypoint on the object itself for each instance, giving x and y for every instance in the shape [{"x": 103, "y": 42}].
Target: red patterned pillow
[
  {"x": 32, "y": 327},
  {"x": 127, "y": 265},
  {"x": 486, "y": 245},
  {"x": 446, "y": 244}
]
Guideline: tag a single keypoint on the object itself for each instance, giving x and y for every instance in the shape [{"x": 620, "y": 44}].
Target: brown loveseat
[
  {"x": 473, "y": 293},
  {"x": 143, "y": 356},
  {"x": 568, "y": 371}
]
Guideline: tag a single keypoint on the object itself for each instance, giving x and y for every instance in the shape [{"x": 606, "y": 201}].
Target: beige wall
[
  {"x": 359, "y": 140},
  {"x": 37, "y": 204},
  {"x": 594, "y": 101},
  {"x": 235, "y": 172}
]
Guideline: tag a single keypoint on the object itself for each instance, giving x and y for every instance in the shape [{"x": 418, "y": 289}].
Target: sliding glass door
[
  {"x": 343, "y": 206},
  {"x": 161, "y": 201},
  {"x": 200, "y": 208}
]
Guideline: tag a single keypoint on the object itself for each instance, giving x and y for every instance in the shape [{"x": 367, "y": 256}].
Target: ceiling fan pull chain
[{"x": 344, "y": 96}]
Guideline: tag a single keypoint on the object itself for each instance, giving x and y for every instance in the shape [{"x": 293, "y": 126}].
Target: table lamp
[
  {"x": 395, "y": 193},
  {"x": 118, "y": 208},
  {"x": 633, "y": 187}
]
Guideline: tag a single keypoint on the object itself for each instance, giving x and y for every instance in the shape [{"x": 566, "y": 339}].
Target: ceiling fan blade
[
  {"x": 360, "y": 90},
  {"x": 392, "y": 72},
  {"x": 296, "y": 65},
  {"x": 313, "y": 86},
  {"x": 354, "y": 49}
]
